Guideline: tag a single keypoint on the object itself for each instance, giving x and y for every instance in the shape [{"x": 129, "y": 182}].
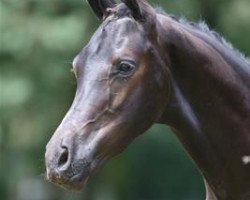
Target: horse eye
[{"x": 125, "y": 67}]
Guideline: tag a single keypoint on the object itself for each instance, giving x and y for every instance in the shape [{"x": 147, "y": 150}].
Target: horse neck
[{"x": 209, "y": 108}]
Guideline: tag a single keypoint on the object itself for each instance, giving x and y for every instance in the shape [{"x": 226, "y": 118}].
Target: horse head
[{"x": 121, "y": 92}]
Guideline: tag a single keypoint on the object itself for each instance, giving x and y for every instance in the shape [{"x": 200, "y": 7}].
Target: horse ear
[
  {"x": 141, "y": 10},
  {"x": 100, "y": 6}
]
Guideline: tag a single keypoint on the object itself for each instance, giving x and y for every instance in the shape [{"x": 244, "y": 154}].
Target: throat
[
  {"x": 181, "y": 117},
  {"x": 217, "y": 142}
]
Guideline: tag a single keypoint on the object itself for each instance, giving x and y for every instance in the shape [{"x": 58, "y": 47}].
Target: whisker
[{"x": 43, "y": 176}]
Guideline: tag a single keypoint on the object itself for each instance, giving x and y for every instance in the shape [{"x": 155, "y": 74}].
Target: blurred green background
[{"x": 39, "y": 39}]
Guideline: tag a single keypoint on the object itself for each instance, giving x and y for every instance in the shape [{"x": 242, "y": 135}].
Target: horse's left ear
[
  {"x": 100, "y": 6},
  {"x": 141, "y": 9}
]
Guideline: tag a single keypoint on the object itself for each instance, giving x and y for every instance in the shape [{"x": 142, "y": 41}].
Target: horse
[{"x": 142, "y": 67}]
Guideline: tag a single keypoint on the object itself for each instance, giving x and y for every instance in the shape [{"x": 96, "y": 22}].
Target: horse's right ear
[
  {"x": 141, "y": 10},
  {"x": 100, "y": 6}
]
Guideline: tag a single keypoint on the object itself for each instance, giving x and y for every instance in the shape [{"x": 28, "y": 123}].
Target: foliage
[{"x": 37, "y": 45}]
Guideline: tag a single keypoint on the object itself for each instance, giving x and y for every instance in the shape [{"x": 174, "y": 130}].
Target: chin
[{"x": 74, "y": 185}]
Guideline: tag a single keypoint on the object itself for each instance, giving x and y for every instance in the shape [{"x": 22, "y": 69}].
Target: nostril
[{"x": 64, "y": 157}]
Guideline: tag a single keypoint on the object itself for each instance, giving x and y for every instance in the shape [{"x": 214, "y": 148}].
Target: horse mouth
[
  {"x": 74, "y": 183},
  {"x": 73, "y": 178}
]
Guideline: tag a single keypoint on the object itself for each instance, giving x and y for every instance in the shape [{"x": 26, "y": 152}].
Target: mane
[{"x": 201, "y": 26}]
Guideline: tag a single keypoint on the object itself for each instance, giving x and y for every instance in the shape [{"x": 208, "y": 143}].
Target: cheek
[
  {"x": 147, "y": 101},
  {"x": 118, "y": 98},
  {"x": 121, "y": 92},
  {"x": 115, "y": 137},
  {"x": 125, "y": 93},
  {"x": 124, "y": 90}
]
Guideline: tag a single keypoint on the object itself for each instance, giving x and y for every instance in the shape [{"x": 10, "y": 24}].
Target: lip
[
  {"x": 79, "y": 181},
  {"x": 74, "y": 183},
  {"x": 74, "y": 177}
]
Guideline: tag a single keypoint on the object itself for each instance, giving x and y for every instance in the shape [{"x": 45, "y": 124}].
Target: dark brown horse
[{"x": 143, "y": 67}]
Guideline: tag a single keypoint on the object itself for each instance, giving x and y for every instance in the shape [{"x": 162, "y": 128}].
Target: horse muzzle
[{"x": 66, "y": 167}]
